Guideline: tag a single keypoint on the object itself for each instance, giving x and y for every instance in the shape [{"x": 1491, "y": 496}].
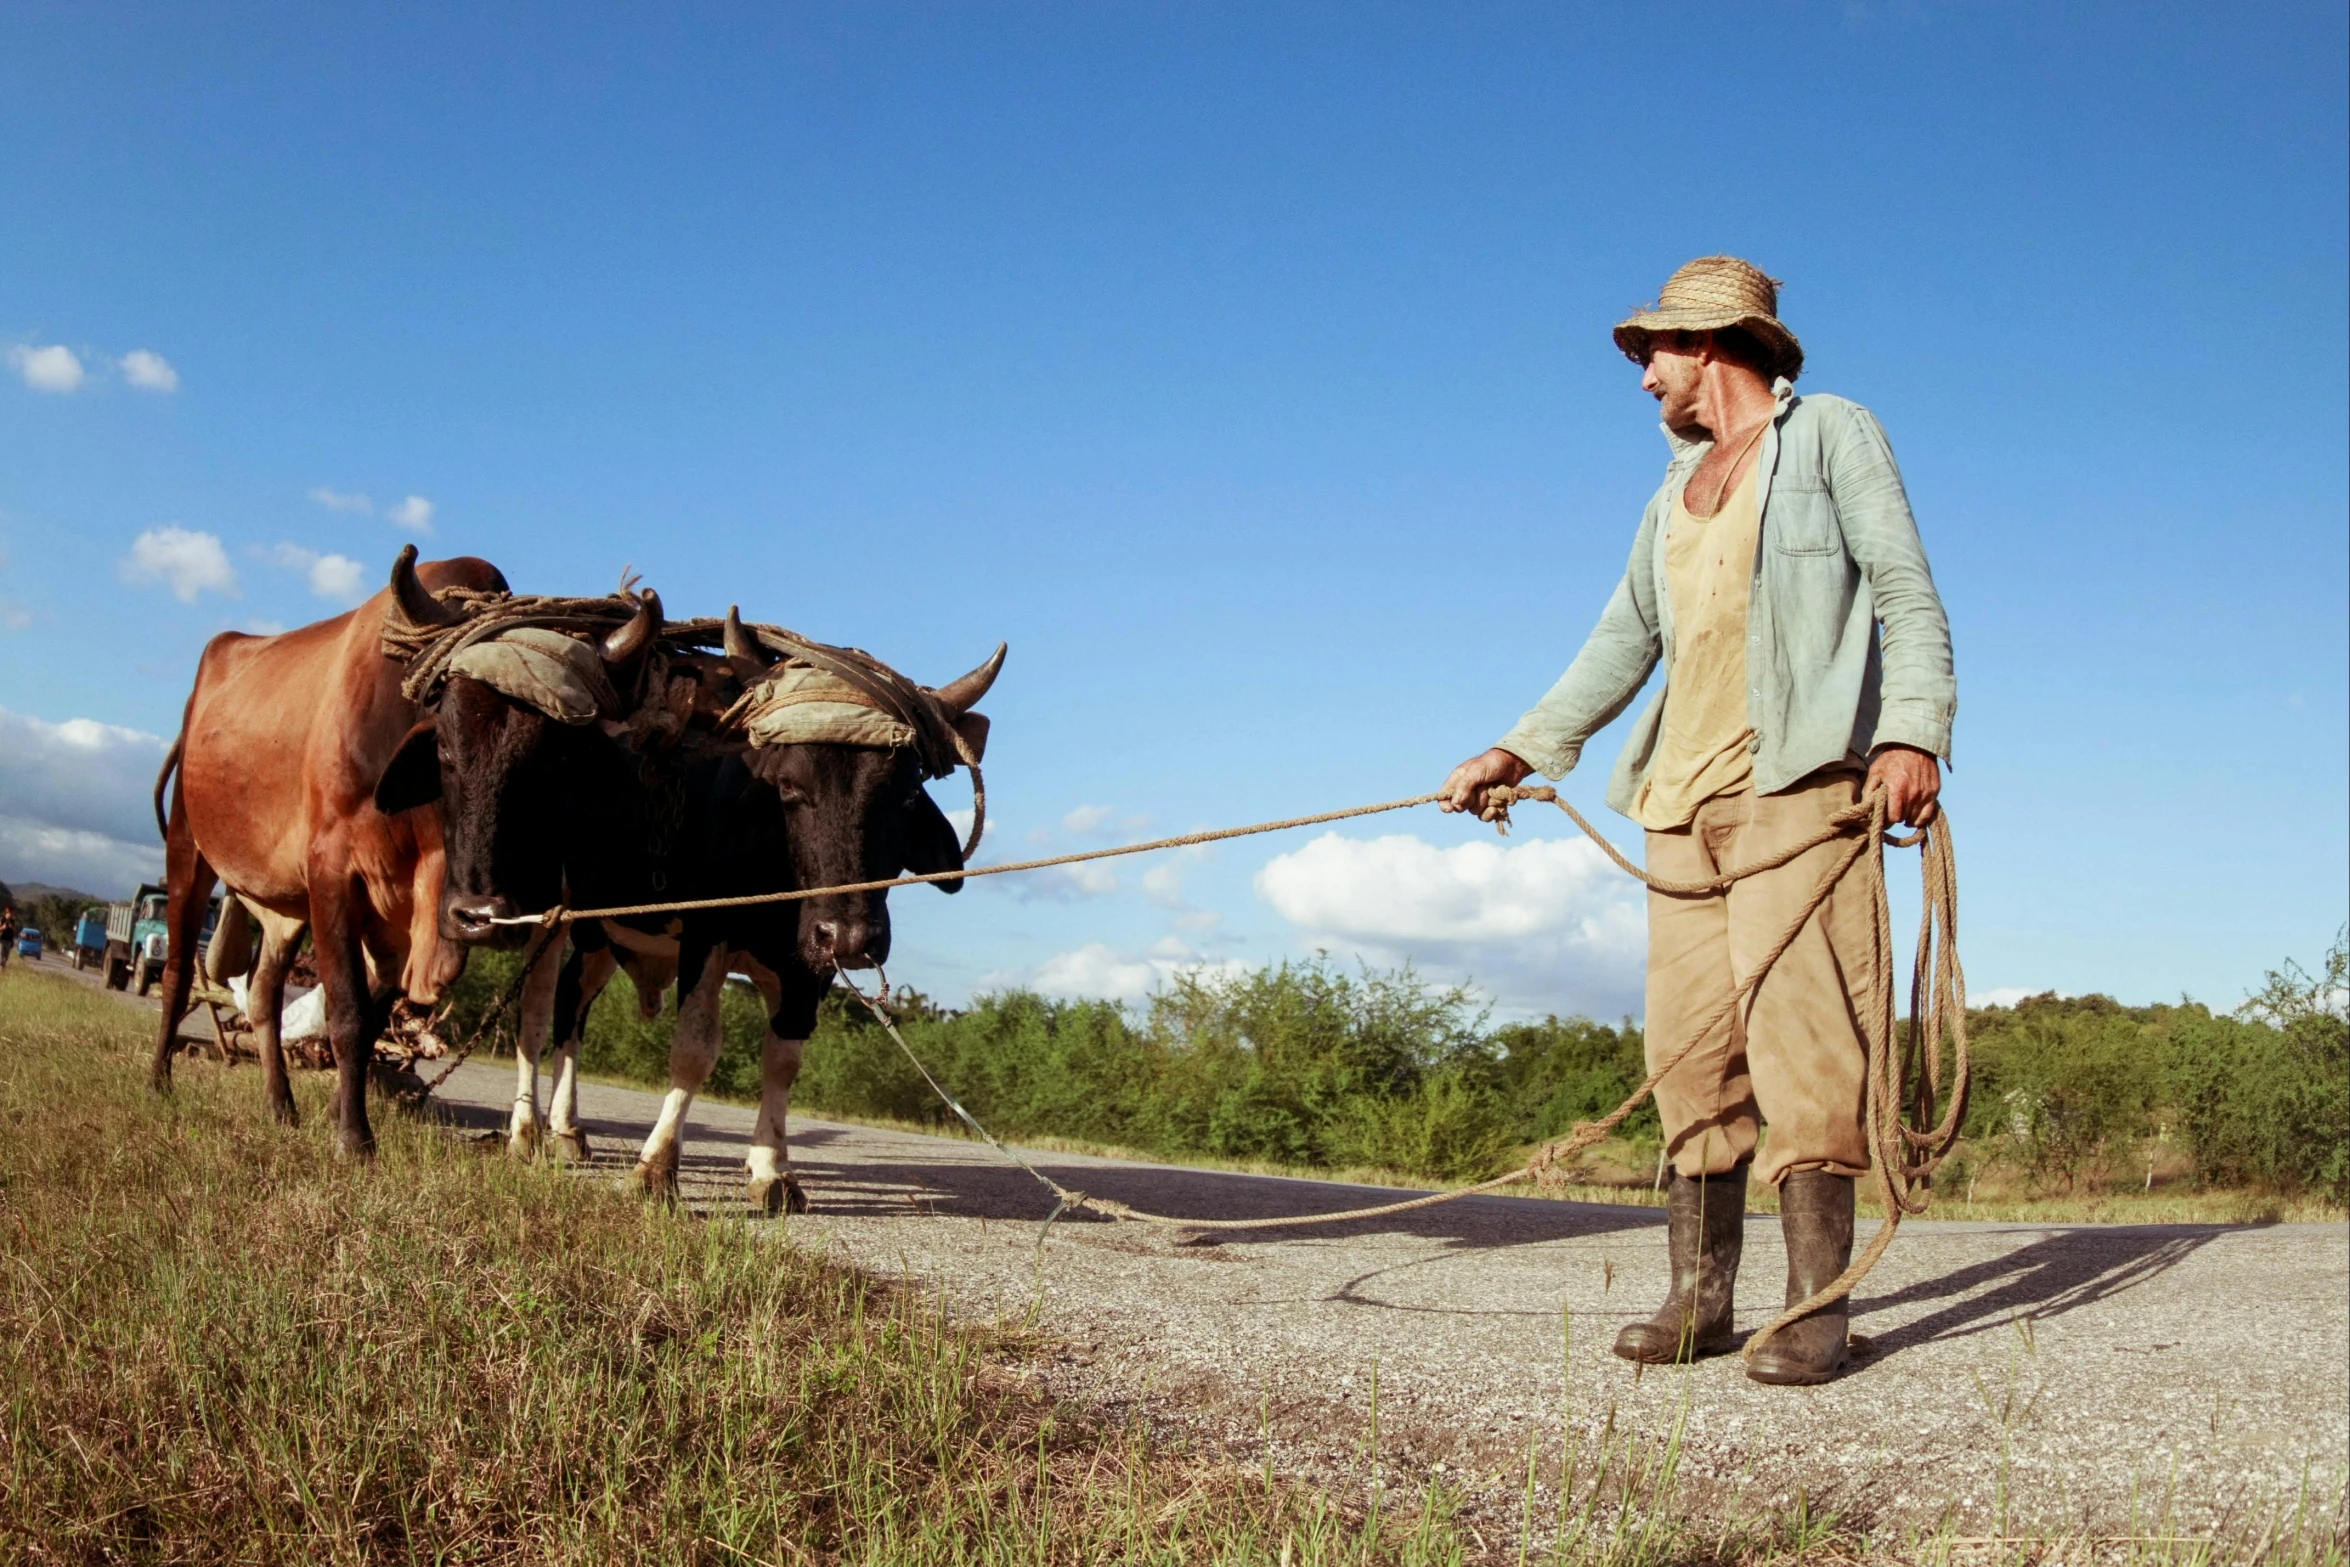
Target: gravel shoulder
[{"x": 2064, "y": 1376}]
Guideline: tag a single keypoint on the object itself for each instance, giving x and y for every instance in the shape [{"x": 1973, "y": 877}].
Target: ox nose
[
  {"x": 842, "y": 943},
  {"x": 476, "y": 919}
]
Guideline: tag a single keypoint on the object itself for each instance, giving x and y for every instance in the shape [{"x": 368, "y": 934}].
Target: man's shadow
[{"x": 2061, "y": 1272}]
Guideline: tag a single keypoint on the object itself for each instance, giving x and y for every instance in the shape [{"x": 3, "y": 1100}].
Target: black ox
[{"x": 538, "y": 813}]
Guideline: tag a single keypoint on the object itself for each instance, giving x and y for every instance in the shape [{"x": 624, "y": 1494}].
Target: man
[{"x": 1778, "y": 578}]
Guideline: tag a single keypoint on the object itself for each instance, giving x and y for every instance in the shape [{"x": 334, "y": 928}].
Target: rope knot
[{"x": 1500, "y": 797}]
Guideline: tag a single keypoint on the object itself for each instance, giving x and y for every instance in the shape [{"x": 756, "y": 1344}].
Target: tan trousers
[{"x": 1796, "y": 1055}]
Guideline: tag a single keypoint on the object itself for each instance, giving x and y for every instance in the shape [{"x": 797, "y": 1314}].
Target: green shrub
[
  {"x": 2263, "y": 1098},
  {"x": 1310, "y": 1064},
  {"x": 1560, "y": 1071}
]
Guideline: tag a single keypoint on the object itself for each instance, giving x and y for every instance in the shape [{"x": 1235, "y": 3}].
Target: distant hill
[{"x": 25, "y": 892}]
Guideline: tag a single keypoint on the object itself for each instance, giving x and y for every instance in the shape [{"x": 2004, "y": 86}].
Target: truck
[
  {"x": 138, "y": 938},
  {"x": 89, "y": 938}
]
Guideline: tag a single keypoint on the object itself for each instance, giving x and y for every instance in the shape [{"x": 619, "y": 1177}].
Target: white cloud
[
  {"x": 55, "y": 368},
  {"x": 1063, "y": 883},
  {"x": 84, "y": 861},
  {"x": 77, "y": 808},
  {"x": 150, "y": 371},
  {"x": 335, "y": 577},
  {"x": 1088, "y": 819},
  {"x": 1096, "y": 972},
  {"x": 1545, "y": 925},
  {"x": 414, "y": 514},
  {"x": 186, "y": 562},
  {"x": 1163, "y": 884},
  {"x": 336, "y": 500}
]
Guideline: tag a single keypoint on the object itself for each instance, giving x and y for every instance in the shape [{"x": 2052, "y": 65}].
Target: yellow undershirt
[{"x": 1704, "y": 748}]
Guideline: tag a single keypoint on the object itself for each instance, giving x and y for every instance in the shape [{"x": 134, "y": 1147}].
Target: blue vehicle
[
  {"x": 28, "y": 943},
  {"x": 89, "y": 939}
]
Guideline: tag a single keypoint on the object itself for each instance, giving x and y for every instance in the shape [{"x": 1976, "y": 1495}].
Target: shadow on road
[
  {"x": 2062, "y": 1271},
  {"x": 939, "y": 1176}
]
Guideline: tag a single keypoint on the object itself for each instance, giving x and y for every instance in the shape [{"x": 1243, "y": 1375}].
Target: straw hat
[{"x": 1707, "y": 295}]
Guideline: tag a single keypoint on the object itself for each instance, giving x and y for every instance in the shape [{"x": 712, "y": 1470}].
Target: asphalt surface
[{"x": 2016, "y": 1378}]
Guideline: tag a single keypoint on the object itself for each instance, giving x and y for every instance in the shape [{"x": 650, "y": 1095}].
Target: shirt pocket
[{"x": 1801, "y": 518}]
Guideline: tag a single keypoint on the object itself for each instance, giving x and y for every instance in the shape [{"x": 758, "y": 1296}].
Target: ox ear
[
  {"x": 971, "y": 728},
  {"x": 931, "y": 843},
  {"x": 413, "y": 777}
]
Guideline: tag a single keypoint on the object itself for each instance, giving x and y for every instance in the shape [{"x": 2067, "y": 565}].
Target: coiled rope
[{"x": 1905, "y": 1140}]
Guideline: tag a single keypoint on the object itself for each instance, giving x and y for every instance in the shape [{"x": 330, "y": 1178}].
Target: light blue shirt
[{"x": 1847, "y": 648}]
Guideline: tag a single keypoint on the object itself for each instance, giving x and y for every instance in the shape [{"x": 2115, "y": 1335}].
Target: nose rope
[{"x": 562, "y": 915}]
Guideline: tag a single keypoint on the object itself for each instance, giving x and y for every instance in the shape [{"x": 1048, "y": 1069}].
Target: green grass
[{"x": 225, "y": 1344}]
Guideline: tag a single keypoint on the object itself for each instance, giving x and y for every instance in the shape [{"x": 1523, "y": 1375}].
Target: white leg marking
[
  {"x": 693, "y": 1050},
  {"x": 779, "y": 1068},
  {"x": 595, "y": 972},
  {"x": 538, "y": 1017}
]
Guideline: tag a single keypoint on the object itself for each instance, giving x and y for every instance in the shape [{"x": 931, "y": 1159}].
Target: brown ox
[{"x": 278, "y": 757}]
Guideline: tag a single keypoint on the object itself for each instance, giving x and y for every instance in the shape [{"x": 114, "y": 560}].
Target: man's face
[{"x": 1672, "y": 377}]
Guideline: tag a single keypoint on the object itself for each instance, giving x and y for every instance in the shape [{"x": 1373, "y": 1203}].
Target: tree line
[{"x": 1313, "y": 1065}]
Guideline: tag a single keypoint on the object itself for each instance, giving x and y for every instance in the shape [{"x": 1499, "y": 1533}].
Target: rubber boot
[
  {"x": 1815, "y": 1216},
  {"x": 1705, "y": 1229}
]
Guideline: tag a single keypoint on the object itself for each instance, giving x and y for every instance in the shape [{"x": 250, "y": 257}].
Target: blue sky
[{"x": 1246, "y": 368}]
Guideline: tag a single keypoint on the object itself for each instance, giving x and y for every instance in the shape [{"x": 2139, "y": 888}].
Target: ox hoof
[
  {"x": 653, "y": 1182},
  {"x": 282, "y": 1111},
  {"x": 523, "y": 1141},
  {"x": 778, "y": 1195},
  {"x": 569, "y": 1147}
]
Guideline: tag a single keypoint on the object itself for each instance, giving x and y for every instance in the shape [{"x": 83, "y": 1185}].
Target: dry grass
[{"x": 227, "y": 1345}]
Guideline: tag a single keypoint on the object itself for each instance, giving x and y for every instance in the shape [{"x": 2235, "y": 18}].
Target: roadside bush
[
  {"x": 1313, "y": 1065},
  {"x": 1560, "y": 1071},
  {"x": 2263, "y": 1098},
  {"x": 2062, "y": 1085}
]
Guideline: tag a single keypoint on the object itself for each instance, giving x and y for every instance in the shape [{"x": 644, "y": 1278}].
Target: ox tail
[{"x": 171, "y": 762}]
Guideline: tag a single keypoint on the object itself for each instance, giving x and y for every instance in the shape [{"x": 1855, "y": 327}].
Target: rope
[
  {"x": 1904, "y": 1156},
  {"x": 496, "y": 1013},
  {"x": 560, "y": 915},
  {"x": 428, "y": 650}
]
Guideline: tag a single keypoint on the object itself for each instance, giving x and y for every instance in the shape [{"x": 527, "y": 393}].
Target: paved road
[
  {"x": 2066, "y": 1368},
  {"x": 2081, "y": 1363}
]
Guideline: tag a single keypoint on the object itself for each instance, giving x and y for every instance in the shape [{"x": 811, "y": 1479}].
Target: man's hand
[
  {"x": 1465, "y": 787},
  {"x": 1911, "y": 780}
]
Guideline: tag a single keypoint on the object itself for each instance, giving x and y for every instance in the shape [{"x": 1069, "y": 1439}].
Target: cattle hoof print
[{"x": 570, "y": 1147}]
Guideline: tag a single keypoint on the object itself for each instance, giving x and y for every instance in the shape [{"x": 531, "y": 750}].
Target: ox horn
[
  {"x": 742, "y": 649},
  {"x": 409, "y": 599},
  {"x": 628, "y": 643},
  {"x": 960, "y": 696}
]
